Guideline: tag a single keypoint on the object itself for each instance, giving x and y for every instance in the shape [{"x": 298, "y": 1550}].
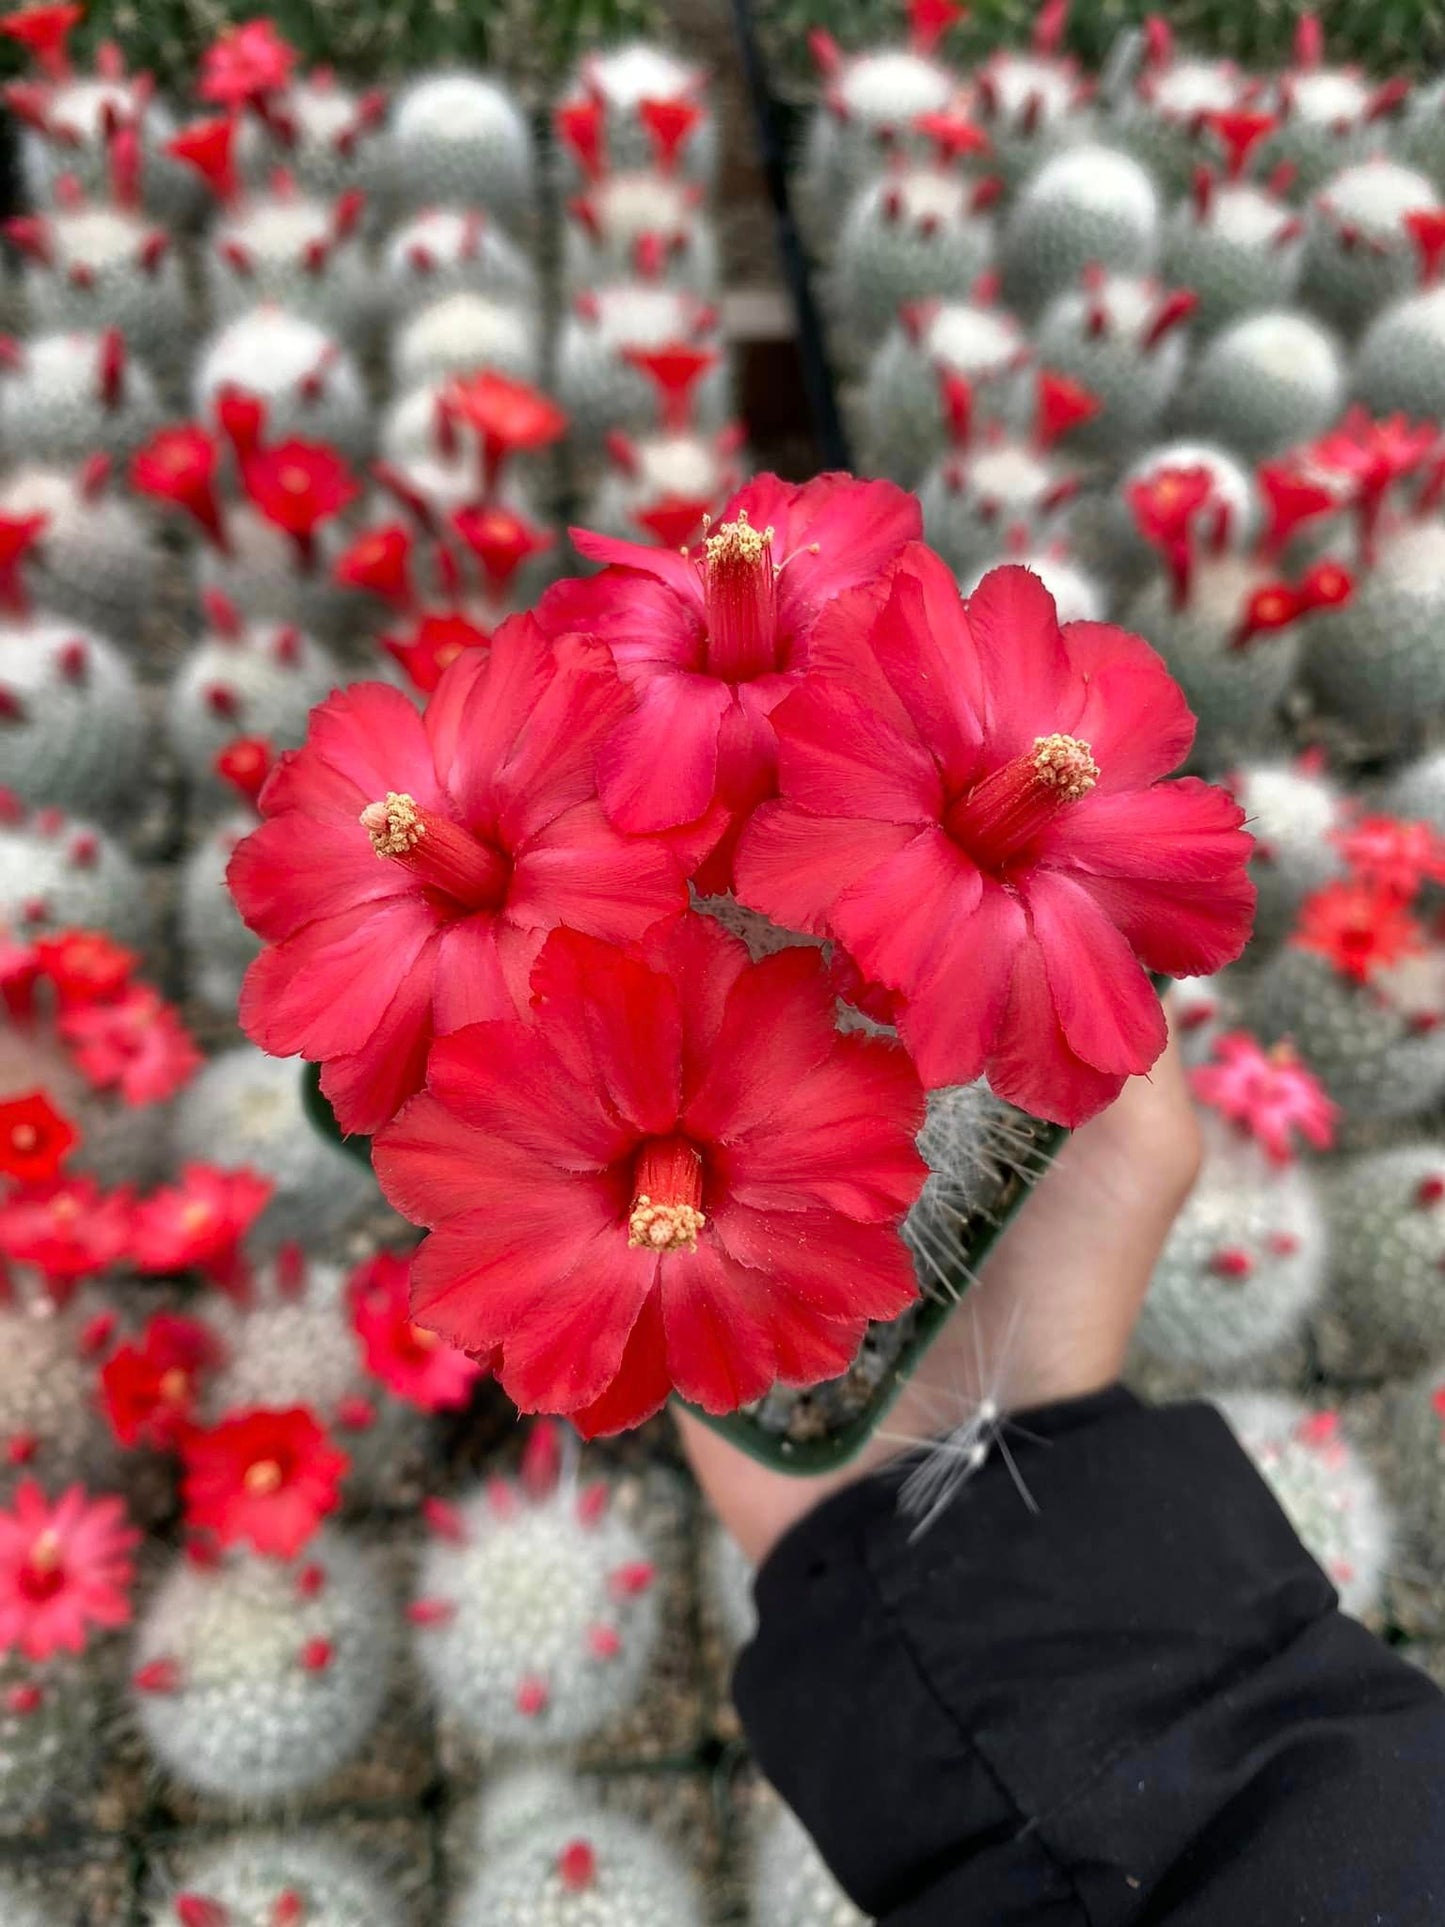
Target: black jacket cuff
[{"x": 973, "y": 1699}]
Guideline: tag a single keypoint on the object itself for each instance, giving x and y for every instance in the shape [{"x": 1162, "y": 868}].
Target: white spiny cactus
[
  {"x": 1359, "y": 254},
  {"x": 1387, "y": 1225},
  {"x": 274, "y": 1880},
  {"x": 1264, "y": 382},
  {"x": 573, "y": 1864},
  {"x": 307, "y": 381},
  {"x": 72, "y": 731},
  {"x": 243, "y": 679},
  {"x": 1324, "y": 1487},
  {"x": 69, "y": 396},
  {"x": 457, "y": 137},
  {"x": 255, "y": 1678},
  {"x": 293, "y": 1343},
  {"x": 789, "y": 1884},
  {"x": 903, "y": 420},
  {"x": 303, "y": 254},
  {"x": 1089, "y": 207},
  {"x": 460, "y": 332},
  {"x": 453, "y": 250},
  {"x": 93, "y": 559},
  {"x": 56, "y": 873},
  {"x": 597, "y": 381},
  {"x": 535, "y": 1609}
]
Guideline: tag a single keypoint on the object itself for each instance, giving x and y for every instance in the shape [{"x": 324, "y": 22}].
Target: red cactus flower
[
  {"x": 1360, "y": 927},
  {"x": 1270, "y": 1095},
  {"x": 135, "y": 1045},
  {"x": 208, "y": 146},
  {"x": 68, "y": 1230},
  {"x": 149, "y": 1389},
  {"x": 410, "y": 864},
  {"x": 670, "y": 125},
  {"x": 433, "y": 646},
  {"x": 1061, "y": 404},
  {"x": 1392, "y": 855},
  {"x": 1273, "y": 606},
  {"x": 581, "y": 127},
  {"x": 65, "y": 1568},
  {"x": 84, "y": 966},
  {"x": 379, "y": 562},
  {"x": 1372, "y": 456},
  {"x": 245, "y": 763},
  {"x": 713, "y": 641},
  {"x": 1164, "y": 506},
  {"x": 44, "y": 32},
  {"x": 674, "y": 521},
  {"x": 241, "y": 418},
  {"x": 1239, "y": 131},
  {"x": 413, "y": 1363},
  {"x": 500, "y": 539},
  {"x": 18, "y": 537},
  {"x": 299, "y": 485},
  {"x": 178, "y": 465},
  {"x": 930, "y": 20},
  {"x": 674, "y": 369},
  {"x": 1292, "y": 498},
  {"x": 510, "y": 417},
  {"x": 682, "y": 1177},
  {"x": 266, "y": 1478},
  {"x": 1426, "y": 228},
  {"x": 35, "y": 1139},
  {"x": 246, "y": 63},
  {"x": 976, "y": 812},
  {"x": 201, "y": 1223}
]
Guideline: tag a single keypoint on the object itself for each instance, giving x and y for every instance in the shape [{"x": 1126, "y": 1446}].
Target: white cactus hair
[
  {"x": 958, "y": 1450},
  {"x": 973, "y": 1143}
]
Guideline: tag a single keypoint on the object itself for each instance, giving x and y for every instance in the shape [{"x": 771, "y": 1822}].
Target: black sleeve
[{"x": 1137, "y": 1705}]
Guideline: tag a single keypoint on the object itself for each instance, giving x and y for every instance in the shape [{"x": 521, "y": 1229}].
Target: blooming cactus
[{"x": 646, "y": 1162}]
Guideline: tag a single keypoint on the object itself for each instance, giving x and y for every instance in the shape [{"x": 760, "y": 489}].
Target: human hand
[{"x": 1050, "y": 1317}]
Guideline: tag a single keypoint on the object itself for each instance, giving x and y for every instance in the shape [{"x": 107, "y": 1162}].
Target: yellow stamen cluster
[
  {"x": 664, "y": 1227},
  {"x": 738, "y": 541},
  {"x": 263, "y": 1478},
  {"x": 1065, "y": 764},
  {"x": 24, "y": 1137},
  {"x": 394, "y": 826}
]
